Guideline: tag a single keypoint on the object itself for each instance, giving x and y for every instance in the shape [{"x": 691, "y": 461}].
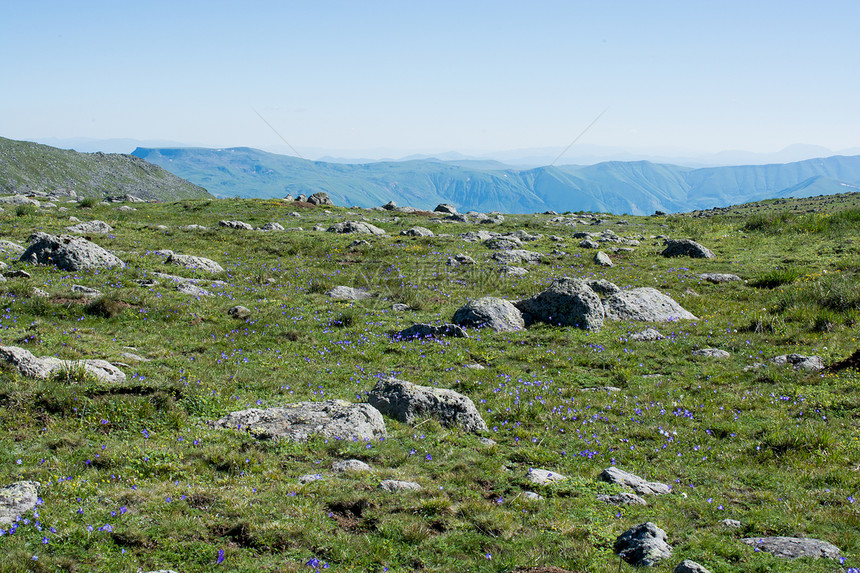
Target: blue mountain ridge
[{"x": 622, "y": 187}]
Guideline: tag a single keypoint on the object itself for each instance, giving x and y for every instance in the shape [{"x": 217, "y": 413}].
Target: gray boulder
[
  {"x": 417, "y": 232},
  {"x": 623, "y": 498},
  {"x": 298, "y": 422},
  {"x": 68, "y": 253},
  {"x": 320, "y": 198},
  {"x": 686, "y": 248},
  {"x": 799, "y": 362},
  {"x": 634, "y": 482},
  {"x": 567, "y": 302},
  {"x": 711, "y": 353},
  {"x": 688, "y": 566},
  {"x": 16, "y": 499},
  {"x": 432, "y": 331},
  {"x": 644, "y": 304},
  {"x": 496, "y": 313},
  {"x": 794, "y": 547},
  {"x": 236, "y": 225},
  {"x": 512, "y": 271},
  {"x": 18, "y": 200},
  {"x": 395, "y": 486},
  {"x": 409, "y": 403},
  {"x": 589, "y": 244},
  {"x": 445, "y": 208},
  {"x": 517, "y": 256},
  {"x": 544, "y": 477},
  {"x": 719, "y": 277},
  {"x": 11, "y": 248},
  {"x": 602, "y": 259},
  {"x": 48, "y": 366},
  {"x": 360, "y": 227},
  {"x": 192, "y": 290},
  {"x": 195, "y": 263},
  {"x": 88, "y": 292},
  {"x": 96, "y": 227},
  {"x": 649, "y": 334},
  {"x": 348, "y": 293},
  {"x": 503, "y": 243},
  {"x": 271, "y": 227},
  {"x": 342, "y": 466},
  {"x": 460, "y": 259},
  {"x": 644, "y": 545}
]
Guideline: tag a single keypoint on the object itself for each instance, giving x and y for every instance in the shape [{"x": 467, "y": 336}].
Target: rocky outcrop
[
  {"x": 16, "y": 499},
  {"x": 644, "y": 545},
  {"x": 645, "y": 304},
  {"x": 69, "y": 253},
  {"x": 686, "y": 248},
  {"x": 794, "y": 547},
  {"x": 567, "y": 302},
  {"x": 194, "y": 263},
  {"x": 298, "y": 422},
  {"x": 360, "y": 227},
  {"x": 410, "y": 403},
  {"x": 49, "y": 366},
  {"x": 491, "y": 312}
]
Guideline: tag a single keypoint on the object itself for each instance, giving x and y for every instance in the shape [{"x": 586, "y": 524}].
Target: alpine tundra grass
[{"x": 133, "y": 479}]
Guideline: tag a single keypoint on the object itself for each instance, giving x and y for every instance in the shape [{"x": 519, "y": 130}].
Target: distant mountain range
[
  {"x": 26, "y": 166},
  {"x": 631, "y": 187}
]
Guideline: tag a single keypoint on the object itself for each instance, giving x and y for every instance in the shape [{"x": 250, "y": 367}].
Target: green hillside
[{"x": 26, "y": 166}]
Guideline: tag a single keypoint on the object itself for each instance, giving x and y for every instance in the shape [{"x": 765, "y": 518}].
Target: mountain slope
[
  {"x": 634, "y": 187},
  {"x": 26, "y": 166}
]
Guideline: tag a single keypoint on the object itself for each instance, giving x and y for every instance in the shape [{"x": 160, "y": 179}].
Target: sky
[{"x": 378, "y": 77}]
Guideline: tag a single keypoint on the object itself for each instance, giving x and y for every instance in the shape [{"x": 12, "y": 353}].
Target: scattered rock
[
  {"x": 395, "y": 486},
  {"x": 799, "y": 362},
  {"x": 320, "y": 198},
  {"x": 399, "y": 307},
  {"x": 348, "y": 293},
  {"x": 271, "y": 227},
  {"x": 16, "y": 499},
  {"x": 310, "y": 478},
  {"x": 298, "y": 422},
  {"x": 623, "y": 498},
  {"x": 644, "y": 545},
  {"x": 512, "y": 271},
  {"x": 417, "y": 232},
  {"x": 731, "y": 523},
  {"x": 686, "y": 248},
  {"x": 794, "y": 547},
  {"x": 409, "y": 403},
  {"x": 18, "y": 274},
  {"x": 193, "y": 227},
  {"x": 517, "y": 256},
  {"x": 543, "y": 477},
  {"x": 719, "y": 277},
  {"x": 96, "y": 227},
  {"x": 342, "y": 466},
  {"x": 602, "y": 259},
  {"x": 48, "y": 366},
  {"x": 192, "y": 262},
  {"x": 460, "y": 260},
  {"x": 634, "y": 482},
  {"x": 687, "y": 566},
  {"x": 239, "y": 312},
  {"x": 532, "y": 496},
  {"x": 589, "y": 244},
  {"x": 445, "y": 208},
  {"x": 193, "y": 290},
  {"x": 236, "y": 225},
  {"x": 86, "y": 291},
  {"x": 711, "y": 353},
  {"x": 645, "y": 304},
  {"x": 359, "y": 227},
  {"x": 503, "y": 243},
  {"x": 68, "y": 253},
  {"x": 18, "y": 200},
  {"x": 432, "y": 331},
  {"x": 649, "y": 334},
  {"x": 11, "y": 248},
  {"x": 567, "y": 302},
  {"x": 496, "y": 313}
]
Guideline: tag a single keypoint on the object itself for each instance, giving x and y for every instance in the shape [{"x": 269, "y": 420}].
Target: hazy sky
[{"x": 428, "y": 76}]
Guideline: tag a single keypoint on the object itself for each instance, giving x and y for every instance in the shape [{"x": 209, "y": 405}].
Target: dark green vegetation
[
  {"x": 636, "y": 187},
  {"x": 26, "y": 166},
  {"x": 133, "y": 479}
]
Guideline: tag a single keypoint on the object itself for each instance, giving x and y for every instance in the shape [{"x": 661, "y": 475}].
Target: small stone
[
  {"x": 602, "y": 259},
  {"x": 636, "y": 483},
  {"x": 711, "y": 353},
  {"x": 308, "y": 478},
  {"x": 540, "y": 476},
  {"x": 644, "y": 545},
  {"x": 623, "y": 498},
  {"x": 239, "y": 312},
  {"x": 342, "y": 466},
  {"x": 688, "y": 566},
  {"x": 794, "y": 547},
  {"x": 395, "y": 486},
  {"x": 532, "y": 496}
]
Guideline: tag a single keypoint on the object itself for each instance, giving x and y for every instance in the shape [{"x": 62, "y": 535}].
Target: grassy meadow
[{"x": 133, "y": 479}]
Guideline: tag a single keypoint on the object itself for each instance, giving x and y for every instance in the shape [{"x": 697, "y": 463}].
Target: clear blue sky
[{"x": 442, "y": 75}]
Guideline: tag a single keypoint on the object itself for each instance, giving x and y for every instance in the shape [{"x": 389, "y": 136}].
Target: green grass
[{"x": 774, "y": 448}]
